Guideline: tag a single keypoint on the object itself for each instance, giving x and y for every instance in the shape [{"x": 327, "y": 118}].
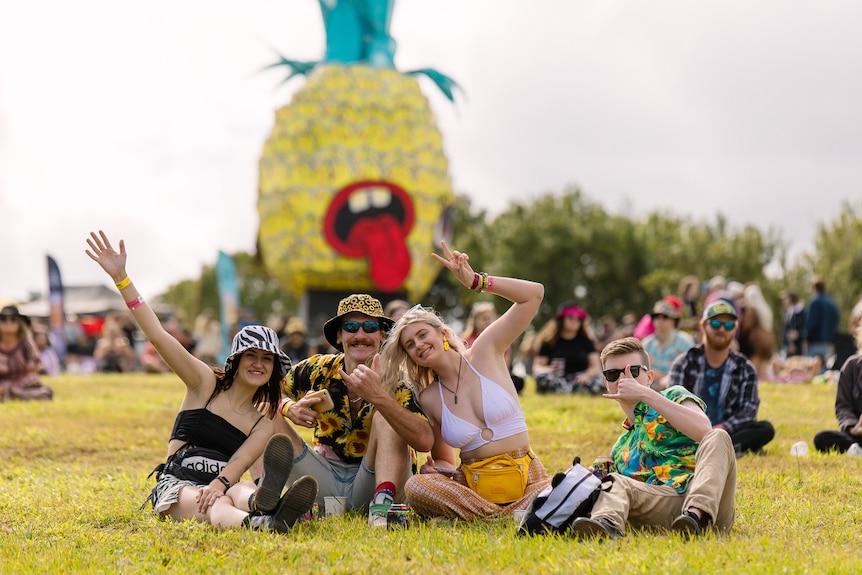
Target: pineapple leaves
[
  {"x": 444, "y": 82},
  {"x": 296, "y": 67}
]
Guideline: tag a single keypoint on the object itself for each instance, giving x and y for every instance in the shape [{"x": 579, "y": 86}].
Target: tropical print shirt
[
  {"x": 337, "y": 429},
  {"x": 652, "y": 450}
]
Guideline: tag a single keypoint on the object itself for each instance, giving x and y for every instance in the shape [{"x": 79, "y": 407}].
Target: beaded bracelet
[
  {"x": 135, "y": 303},
  {"x": 483, "y": 283},
  {"x": 123, "y": 283}
]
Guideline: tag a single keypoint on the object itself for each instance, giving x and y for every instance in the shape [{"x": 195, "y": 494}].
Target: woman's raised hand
[
  {"x": 104, "y": 254},
  {"x": 458, "y": 263}
]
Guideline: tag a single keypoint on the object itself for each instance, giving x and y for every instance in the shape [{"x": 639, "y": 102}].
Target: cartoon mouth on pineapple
[{"x": 372, "y": 220}]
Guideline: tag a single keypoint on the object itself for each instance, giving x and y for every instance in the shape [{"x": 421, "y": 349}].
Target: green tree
[
  {"x": 258, "y": 291},
  {"x": 837, "y": 258},
  {"x": 575, "y": 248},
  {"x": 606, "y": 263},
  {"x": 446, "y": 294},
  {"x": 678, "y": 247}
]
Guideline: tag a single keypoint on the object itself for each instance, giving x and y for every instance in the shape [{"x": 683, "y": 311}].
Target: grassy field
[{"x": 73, "y": 474}]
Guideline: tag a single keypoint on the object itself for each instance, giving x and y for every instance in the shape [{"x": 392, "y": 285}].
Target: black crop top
[{"x": 203, "y": 428}]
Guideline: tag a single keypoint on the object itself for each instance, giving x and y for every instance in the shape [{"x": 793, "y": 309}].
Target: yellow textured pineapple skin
[{"x": 346, "y": 125}]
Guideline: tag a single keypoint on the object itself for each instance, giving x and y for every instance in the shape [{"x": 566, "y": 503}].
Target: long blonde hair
[{"x": 397, "y": 365}]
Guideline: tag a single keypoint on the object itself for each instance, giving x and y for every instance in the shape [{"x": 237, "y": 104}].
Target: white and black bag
[{"x": 571, "y": 495}]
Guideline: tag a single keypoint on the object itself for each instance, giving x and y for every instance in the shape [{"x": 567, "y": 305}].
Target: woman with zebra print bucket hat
[{"x": 218, "y": 432}]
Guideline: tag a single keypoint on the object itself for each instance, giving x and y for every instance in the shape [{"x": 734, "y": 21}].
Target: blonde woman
[{"x": 471, "y": 402}]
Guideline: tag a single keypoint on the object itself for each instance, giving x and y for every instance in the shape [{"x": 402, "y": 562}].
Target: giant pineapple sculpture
[{"x": 354, "y": 187}]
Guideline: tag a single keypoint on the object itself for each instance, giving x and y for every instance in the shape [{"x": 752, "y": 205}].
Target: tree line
[{"x": 608, "y": 263}]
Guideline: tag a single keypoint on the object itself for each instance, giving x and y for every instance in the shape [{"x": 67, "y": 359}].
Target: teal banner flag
[{"x": 228, "y": 291}]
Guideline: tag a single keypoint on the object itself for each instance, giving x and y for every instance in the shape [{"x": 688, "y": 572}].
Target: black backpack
[{"x": 572, "y": 494}]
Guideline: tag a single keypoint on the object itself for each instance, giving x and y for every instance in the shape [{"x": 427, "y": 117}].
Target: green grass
[{"x": 73, "y": 473}]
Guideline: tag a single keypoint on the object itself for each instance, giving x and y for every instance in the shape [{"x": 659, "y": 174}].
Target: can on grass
[{"x": 397, "y": 516}]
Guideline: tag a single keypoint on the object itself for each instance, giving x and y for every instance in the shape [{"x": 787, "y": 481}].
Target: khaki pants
[{"x": 712, "y": 489}]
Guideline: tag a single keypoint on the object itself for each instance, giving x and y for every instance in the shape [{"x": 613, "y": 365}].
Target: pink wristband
[
  {"x": 490, "y": 284},
  {"x": 135, "y": 303}
]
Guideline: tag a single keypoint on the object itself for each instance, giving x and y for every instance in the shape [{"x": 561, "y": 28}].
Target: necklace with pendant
[{"x": 457, "y": 383}]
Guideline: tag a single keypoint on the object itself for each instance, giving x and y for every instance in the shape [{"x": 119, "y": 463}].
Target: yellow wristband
[
  {"x": 123, "y": 283},
  {"x": 285, "y": 406}
]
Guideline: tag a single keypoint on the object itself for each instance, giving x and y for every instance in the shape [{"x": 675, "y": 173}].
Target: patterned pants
[{"x": 436, "y": 495}]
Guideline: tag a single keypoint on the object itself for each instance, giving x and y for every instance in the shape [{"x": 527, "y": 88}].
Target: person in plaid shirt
[{"x": 725, "y": 380}]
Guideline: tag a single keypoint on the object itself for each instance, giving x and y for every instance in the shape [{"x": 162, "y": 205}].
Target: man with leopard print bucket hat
[{"x": 362, "y": 444}]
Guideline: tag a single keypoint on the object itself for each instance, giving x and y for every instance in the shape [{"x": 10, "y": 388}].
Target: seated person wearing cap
[
  {"x": 361, "y": 448},
  {"x": 667, "y": 342},
  {"x": 724, "y": 379}
]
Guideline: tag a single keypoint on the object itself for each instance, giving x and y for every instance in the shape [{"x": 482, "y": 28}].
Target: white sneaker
[
  {"x": 377, "y": 513},
  {"x": 855, "y": 449}
]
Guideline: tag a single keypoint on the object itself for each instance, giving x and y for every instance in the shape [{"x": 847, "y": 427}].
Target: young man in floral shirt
[
  {"x": 362, "y": 446},
  {"x": 670, "y": 467}
]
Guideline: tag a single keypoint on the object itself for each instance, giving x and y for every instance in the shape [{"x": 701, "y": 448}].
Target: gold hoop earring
[{"x": 445, "y": 344}]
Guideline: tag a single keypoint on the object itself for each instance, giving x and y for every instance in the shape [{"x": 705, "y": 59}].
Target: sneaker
[
  {"x": 855, "y": 449},
  {"x": 377, "y": 513},
  {"x": 258, "y": 522},
  {"x": 298, "y": 501},
  {"x": 688, "y": 524},
  {"x": 587, "y": 528},
  {"x": 277, "y": 464}
]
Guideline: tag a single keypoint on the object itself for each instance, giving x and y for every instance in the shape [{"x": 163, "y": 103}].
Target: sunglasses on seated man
[
  {"x": 614, "y": 374},
  {"x": 367, "y": 326},
  {"x": 717, "y": 324}
]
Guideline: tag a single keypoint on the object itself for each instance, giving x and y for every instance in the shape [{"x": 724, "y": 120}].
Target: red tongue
[{"x": 382, "y": 242}]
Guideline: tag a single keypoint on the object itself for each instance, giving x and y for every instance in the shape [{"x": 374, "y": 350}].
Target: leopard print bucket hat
[{"x": 355, "y": 303}]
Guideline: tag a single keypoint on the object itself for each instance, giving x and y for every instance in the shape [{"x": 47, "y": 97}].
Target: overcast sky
[{"x": 147, "y": 119}]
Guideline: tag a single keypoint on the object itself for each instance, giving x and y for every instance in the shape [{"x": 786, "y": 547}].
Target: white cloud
[{"x": 147, "y": 120}]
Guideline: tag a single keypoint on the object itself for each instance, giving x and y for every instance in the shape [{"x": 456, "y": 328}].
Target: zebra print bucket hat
[{"x": 257, "y": 337}]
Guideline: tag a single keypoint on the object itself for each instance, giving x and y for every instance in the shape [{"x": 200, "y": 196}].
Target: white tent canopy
[{"x": 82, "y": 300}]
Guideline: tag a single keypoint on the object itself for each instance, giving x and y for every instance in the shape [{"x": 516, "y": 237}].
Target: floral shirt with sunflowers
[
  {"x": 336, "y": 429},
  {"x": 652, "y": 450}
]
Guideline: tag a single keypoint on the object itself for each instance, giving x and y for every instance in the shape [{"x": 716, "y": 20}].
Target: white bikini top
[{"x": 502, "y": 414}]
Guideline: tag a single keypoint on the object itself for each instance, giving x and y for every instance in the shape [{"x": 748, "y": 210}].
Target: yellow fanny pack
[{"x": 499, "y": 479}]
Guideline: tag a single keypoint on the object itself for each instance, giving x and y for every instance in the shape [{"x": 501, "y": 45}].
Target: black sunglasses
[
  {"x": 717, "y": 324},
  {"x": 367, "y": 326},
  {"x": 614, "y": 374},
  {"x": 8, "y": 318}
]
